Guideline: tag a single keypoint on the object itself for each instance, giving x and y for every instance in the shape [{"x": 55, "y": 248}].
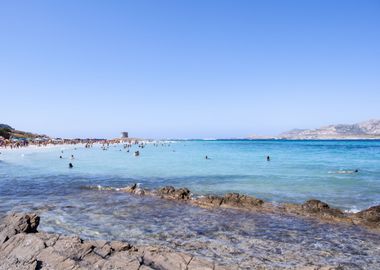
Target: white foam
[{"x": 353, "y": 210}]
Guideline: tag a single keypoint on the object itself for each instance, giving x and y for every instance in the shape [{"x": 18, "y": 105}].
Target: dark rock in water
[
  {"x": 315, "y": 205},
  {"x": 170, "y": 192},
  {"x": 230, "y": 200},
  {"x": 183, "y": 194},
  {"x": 317, "y": 209},
  {"x": 28, "y": 249},
  {"x": 134, "y": 189},
  {"x": 236, "y": 199},
  {"x": 209, "y": 200},
  {"x": 134, "y": 186},
  {"x": 130, "y": 189},
  {"x": 370, "y": 215},
  {"x": 167, "y": 190}
]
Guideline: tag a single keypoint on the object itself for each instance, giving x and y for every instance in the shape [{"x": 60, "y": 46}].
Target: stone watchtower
[{"x": 124, "y": 134}]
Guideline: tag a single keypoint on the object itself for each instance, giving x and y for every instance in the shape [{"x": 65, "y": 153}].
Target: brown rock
[
  {"x": 315, "y": 206},
  {"x": 18, "y": 223},
  {"x": 134, "y": 189},
  {"x": 123, "y": 260},
  {"x": 26, "y": 250},
  {"x": 183, "y": 194},
  {"x": 170, "y": 192},
  {"x": 139, "y": 191},
  {"x": 209, "y": 201},
  {"x": 51, "y": 259},
  {"x": 317, "y": 209},
  {"x": 130, "y": 189},
  {"x": 166, "y": 260},
  {"x": 22, "y": 248},
  {"x": 235, "y": 199},
  {"x": 321, "y": 208},
  {"x": 120, "y": 246},
  {"x": 104, "y": 251},
  {"x": 73, "y": 247},
  {"x": 370, "y": 215}
]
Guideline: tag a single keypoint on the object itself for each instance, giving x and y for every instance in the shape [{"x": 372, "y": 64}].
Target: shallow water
[
  {"x": 36, "y": 179},
  {"x": 298, "y": 170}
]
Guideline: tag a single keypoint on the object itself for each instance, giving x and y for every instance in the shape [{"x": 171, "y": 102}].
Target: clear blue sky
[{"x": 187, "y": 69}]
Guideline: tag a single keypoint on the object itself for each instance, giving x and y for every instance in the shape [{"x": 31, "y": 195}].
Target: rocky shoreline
[
  {"x": 23, "y": 247},
  {"x": 368, "y": 218}
]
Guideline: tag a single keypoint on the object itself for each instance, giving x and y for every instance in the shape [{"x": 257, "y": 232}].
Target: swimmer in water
[
  {"x": 347, "y": 171},
  {"x": 206, "y": 157},
  {"x": 60, "y": 156},
  {"x": 71, "y": 165},
  {"x": 72, "y": 156},
  {"x": 268, "y": 158}
]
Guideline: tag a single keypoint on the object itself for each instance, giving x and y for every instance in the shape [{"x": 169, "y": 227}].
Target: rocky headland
[{"x": 363, "y": 130}]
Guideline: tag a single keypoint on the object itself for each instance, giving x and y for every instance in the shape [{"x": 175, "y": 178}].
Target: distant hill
[
  {"x": 364, "y": 130},
  {"x": 8, "y": 132},
  {"x": 5, "y": 126}
]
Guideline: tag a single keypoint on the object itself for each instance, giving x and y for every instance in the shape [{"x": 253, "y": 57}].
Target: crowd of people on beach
[
  {"x": 39, "y": 142},
  {"x": 13, "y": 144}
]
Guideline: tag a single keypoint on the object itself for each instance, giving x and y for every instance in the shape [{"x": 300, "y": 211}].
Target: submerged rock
[{"x": 25, "y": 248}]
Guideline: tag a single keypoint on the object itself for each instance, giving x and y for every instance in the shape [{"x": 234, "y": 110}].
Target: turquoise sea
[
  {"x": 298, "y": 170},
  {"x": 37, "y": 179}
]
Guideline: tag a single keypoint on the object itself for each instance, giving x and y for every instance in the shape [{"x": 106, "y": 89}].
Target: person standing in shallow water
[
  {"x": 71, "y": 165},
  {"x": 268, "y": 158}
]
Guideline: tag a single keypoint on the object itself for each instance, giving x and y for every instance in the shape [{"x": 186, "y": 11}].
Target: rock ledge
[{"x": 23, "y": 247}]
